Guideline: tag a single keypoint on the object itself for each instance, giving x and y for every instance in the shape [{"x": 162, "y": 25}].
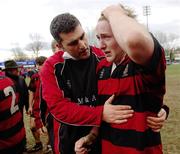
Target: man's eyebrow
[
  {"x": 73, "y": 42},
  {"x": 81, "y": 37},
  {"x": 76, "y": 40}
]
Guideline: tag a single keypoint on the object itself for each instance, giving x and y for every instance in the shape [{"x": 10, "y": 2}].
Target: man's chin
[{"x": 85, "y": 55}]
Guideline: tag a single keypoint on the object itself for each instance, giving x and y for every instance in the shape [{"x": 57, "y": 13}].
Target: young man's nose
[{"x": 102, "y": 46}]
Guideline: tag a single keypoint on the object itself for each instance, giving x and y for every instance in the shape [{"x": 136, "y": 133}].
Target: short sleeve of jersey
[{"x": 158, "y": 57}]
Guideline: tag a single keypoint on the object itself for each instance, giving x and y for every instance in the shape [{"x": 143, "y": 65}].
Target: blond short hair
[{"x": 129, "y": 12}]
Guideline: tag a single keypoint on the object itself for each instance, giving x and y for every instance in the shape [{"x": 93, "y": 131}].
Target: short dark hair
[
  {"x": 40, "y": 60},
  {"x": 63, "y": 23}
]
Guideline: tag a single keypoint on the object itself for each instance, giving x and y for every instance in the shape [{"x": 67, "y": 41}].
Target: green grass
[
  {"x": 170, "y": 132},
  {"x": 30, "y": 138},
  {"x": 173, "y": 69}
]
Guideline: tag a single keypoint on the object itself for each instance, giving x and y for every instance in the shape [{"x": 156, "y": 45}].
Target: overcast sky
[{"x": 19, "y": 18}]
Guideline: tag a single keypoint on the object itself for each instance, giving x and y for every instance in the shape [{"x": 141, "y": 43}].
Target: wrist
[
  {"x": 166, "y": 108},
  {"x": 90, "y": 138}
]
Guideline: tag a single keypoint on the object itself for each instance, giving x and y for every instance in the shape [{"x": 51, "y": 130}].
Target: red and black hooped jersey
[
  {"x": 12, "y": 132},
  {"x": 143, "y": 89}
]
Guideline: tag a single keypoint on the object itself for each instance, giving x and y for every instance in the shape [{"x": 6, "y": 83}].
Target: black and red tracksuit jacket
[
  {"x": 12, "y": 132},
  {"x": 70, "y": 87}
]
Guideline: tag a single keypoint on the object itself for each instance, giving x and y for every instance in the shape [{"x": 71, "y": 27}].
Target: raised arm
[{"x": 132, "y": 37}]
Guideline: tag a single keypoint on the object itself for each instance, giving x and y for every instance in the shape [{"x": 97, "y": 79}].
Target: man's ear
[{"x": 59, "y": 45}]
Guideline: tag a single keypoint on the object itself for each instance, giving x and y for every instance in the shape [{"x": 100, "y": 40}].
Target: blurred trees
[
  {"x": 91, "y": 36},
  {"x": 169, "y": 43},
  {"x": 36, "y": 44},
  {"x": 18, "y": 54}
]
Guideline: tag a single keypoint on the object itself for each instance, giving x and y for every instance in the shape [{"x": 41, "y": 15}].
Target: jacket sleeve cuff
[{"x": 166, "y": 108}]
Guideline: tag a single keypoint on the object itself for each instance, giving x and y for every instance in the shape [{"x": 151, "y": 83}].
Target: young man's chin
[{"x": 109, "y": 59}]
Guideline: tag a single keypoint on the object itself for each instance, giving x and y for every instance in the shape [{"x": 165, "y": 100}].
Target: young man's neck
[{"x": 120, "y": 59}]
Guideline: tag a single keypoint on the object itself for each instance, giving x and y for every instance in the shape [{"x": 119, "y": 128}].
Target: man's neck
[{"x": 66, "y": 55}]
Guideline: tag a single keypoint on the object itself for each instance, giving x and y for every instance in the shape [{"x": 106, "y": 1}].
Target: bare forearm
[{"x": 31, "y": 96}]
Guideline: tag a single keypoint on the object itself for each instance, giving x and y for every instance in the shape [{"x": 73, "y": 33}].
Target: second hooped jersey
[{"x": 12, "y": 132}]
